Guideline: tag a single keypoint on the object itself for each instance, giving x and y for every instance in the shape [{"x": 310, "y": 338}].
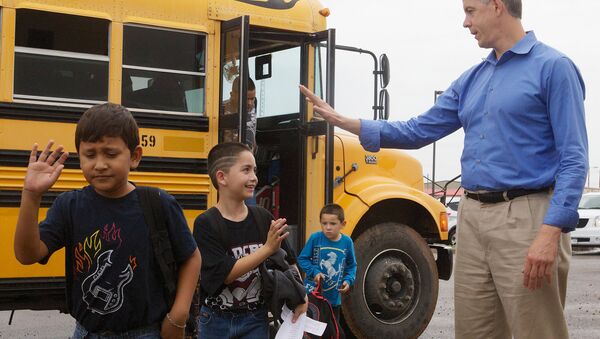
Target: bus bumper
[{"x": 444, "y": 260}]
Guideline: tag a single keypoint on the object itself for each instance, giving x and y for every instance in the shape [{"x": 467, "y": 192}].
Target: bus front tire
[{"x": 396, "y": 287}]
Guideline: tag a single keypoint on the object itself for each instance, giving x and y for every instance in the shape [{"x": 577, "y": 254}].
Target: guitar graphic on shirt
[{"x": 102, "y": 296}]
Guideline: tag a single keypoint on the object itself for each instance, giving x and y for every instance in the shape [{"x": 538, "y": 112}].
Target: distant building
[{"x": 454, "y": 188}]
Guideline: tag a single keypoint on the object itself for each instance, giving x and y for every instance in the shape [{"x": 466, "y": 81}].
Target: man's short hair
[
  {"x": 222, "y": 157},
  {"x": 107, "y": 120},
  {"x": 514, "y": 7},
  {"x": 334, "y": 209}
]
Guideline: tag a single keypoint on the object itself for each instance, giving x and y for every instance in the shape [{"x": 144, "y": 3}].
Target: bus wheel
[{"x": 396, "y": 287}]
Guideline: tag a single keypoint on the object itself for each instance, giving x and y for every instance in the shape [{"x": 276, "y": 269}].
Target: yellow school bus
[{"x": 174, "y": 63}]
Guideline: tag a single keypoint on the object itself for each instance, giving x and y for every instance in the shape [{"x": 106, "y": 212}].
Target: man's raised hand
[{"x": 329, "y": 114}]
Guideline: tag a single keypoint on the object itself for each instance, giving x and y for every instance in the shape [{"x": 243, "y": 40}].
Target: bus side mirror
[
  {"x": 385, "y": 70},
  {"x": 262, "y": 67},
  {"x": 384, "y": 105}
]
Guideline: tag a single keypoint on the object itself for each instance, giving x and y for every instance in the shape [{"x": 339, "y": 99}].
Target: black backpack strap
[
  {"x": 68, "y": 269},
  {"x": 263, "y": 219},
  {"x": 154, "y": 215},
  {"x": 215, "y": 220}
]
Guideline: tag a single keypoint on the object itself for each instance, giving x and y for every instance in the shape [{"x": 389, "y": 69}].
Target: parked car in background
[
  {"x": 453, "y": 205},
  {"x": 586, "y": 237},
  {"x": 452, "y": 212},
  {"x": 452, "y": 221}
]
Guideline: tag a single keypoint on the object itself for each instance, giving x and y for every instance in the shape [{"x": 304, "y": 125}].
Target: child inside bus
[
  {"x": 231, "y": 107},
  {"x": 114, "y": 286},
  {"x": 328, "y": 257},
  {"x": 232, "y": 249}
]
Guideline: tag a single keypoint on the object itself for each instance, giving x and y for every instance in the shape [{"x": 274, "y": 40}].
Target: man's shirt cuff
[
  {"x": 369, "y": 135},
  {"x": 561, "y": 217}
]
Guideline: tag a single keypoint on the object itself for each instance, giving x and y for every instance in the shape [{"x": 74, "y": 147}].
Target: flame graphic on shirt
[
  {"x": 133, "y": 262},
  {"x": 81, "y": 259},
  {"x": 84, "y": 253},
  {"x": 112, "y": 234}
]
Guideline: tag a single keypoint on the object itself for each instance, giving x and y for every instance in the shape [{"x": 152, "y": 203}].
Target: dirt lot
[{"x": 583, "y": 310}]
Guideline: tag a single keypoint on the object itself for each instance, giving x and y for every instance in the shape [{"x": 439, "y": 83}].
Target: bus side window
[
  {"x": 163, "y": 69},
  {"x": 60, "y": 57}
]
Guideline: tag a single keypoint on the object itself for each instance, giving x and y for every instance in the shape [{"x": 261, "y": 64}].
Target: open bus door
[
  {"x": 318, "y": 134},
  {"x": 289, "y": 146},
  {"x": 233, "y": 112}
]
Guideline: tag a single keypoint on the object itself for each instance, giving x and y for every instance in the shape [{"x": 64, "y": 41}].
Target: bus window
[
  {"x": 320, "y": 62},
  {"x": 279, "y": 95},
  {"x": 60, "y": 57},
  {"x": 230, "y": 70},
  {"x": 163, "y": 70}
]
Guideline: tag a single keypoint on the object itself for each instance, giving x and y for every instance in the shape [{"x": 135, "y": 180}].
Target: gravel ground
[
  {"x": 583, "y": 310},
  {"x": 583, "y": 302}
]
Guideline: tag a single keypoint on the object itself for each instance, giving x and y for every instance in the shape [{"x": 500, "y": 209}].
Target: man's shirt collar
[{"x": 524, "y": 46}]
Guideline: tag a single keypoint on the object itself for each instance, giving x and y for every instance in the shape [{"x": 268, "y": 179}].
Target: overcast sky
[{"x": 428, "y": 48}]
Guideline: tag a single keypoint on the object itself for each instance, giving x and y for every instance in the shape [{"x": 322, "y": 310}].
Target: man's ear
[
  {"x": 136, "y": 157},
  {"x": 343, "y": 223},
  {"x": 498, "y": 6}
]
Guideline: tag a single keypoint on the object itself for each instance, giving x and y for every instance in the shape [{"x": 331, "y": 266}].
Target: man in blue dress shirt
[{"x": 523, "y": 165}]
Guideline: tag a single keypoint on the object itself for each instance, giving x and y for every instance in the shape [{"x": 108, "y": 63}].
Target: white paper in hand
[{"x": 289, "y": 330}]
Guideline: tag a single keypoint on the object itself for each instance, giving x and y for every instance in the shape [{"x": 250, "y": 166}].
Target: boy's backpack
[
  {"x": 281, "y": 284},
  {"x": 154, "y": 215},
  {"x": 320, "y": 309}
]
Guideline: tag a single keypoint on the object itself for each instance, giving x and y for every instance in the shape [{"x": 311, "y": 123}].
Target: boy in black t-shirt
[
  {"x": 232, "y": 306},
  {"x": 114, "y": 284}
]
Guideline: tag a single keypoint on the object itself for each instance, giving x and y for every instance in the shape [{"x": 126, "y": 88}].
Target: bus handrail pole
[{"x": 330, "y": 76}]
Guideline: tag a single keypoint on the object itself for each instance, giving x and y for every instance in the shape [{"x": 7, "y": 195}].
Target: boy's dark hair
[
  {"x": 222, "y": 156},
  {"x": 236, "y": 84},
  {"x": 107, "y": 120},
  {"x": 334, "y": 209}
]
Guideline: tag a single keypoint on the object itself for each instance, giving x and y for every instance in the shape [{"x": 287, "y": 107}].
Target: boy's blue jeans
[
  {"x": 224, "y": 325},
  {"x": 150, "y": 332}
]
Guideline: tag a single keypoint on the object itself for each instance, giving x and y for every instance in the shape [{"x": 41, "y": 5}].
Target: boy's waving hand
[{"x": 43, "y": 171}]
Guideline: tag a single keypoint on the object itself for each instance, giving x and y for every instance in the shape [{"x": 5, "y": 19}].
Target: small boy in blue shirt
[{"x": 328, "y": 257}]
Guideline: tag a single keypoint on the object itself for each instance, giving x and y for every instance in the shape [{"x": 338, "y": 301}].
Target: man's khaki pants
[{"x": 490, "y": 300}]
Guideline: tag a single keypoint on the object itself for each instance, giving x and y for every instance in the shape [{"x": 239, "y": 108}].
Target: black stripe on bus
[
  {"x": 46, "y": 293},
  {"x": 192, "y": 201},
  {"x": 12, "y": 198},
  {"x": 64, "y": 114},
  {"x": 14, "y": 158}
]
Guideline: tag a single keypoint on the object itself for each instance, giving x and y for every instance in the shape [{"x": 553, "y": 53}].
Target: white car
[
  {"x": 586, "y": 237},
  {"x": 451, "y": 211}
]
